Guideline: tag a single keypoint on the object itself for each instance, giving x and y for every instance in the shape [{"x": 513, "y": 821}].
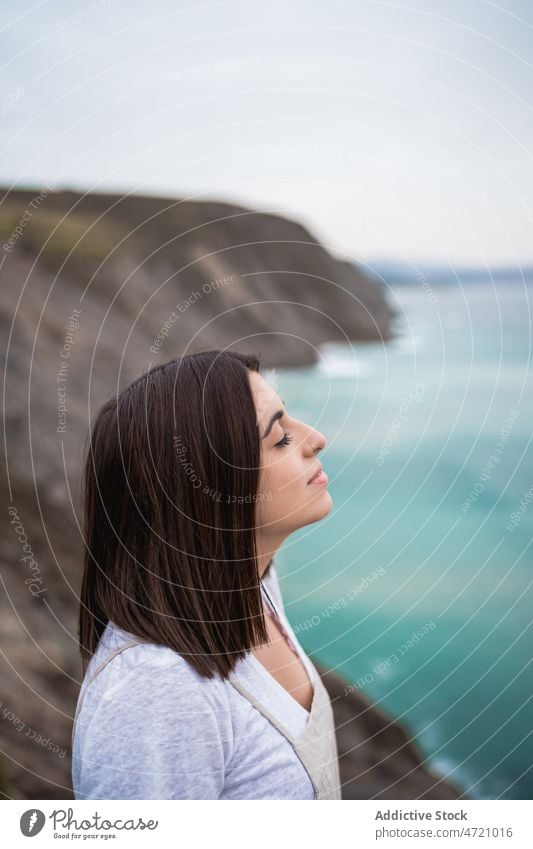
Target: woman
[{"x": 195, "y": 686}]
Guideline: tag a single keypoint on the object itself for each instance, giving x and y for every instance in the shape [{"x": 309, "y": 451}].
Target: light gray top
[{"x": 151, "y": 727}]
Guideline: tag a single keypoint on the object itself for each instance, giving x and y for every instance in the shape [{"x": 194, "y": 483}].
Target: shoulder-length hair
[{"x": 170, "y": 489}]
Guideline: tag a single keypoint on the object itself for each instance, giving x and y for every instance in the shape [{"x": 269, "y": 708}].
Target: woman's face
[{"x": 286, "y": 500}]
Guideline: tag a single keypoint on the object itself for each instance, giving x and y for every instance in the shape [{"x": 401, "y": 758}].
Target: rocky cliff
[{"x": 94, "y": 289}]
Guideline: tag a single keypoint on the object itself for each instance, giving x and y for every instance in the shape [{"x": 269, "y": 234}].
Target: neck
[
  {"x": 263, "y": 565},
  {"x": 264, "y": 555}
]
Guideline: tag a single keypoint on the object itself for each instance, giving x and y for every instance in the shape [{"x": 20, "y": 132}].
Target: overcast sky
[{"x": 395, "y": 130}]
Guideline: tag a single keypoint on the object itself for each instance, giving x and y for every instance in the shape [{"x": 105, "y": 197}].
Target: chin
[
  {"x": 309, "y": 513},
  {"x": 327, "y": 501},
  {"x": 318, "y": 509}
]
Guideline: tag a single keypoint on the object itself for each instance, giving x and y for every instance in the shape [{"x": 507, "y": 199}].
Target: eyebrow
[{"x": 277, "y": 415}]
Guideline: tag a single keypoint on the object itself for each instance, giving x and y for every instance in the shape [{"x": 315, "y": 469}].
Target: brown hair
[{"x": 170, "y": 488}]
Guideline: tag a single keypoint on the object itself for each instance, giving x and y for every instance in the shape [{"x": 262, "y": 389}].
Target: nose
[{"x": 315, "y": 442}]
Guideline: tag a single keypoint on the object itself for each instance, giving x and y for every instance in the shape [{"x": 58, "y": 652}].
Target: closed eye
[{"x": 284, "y": 441}]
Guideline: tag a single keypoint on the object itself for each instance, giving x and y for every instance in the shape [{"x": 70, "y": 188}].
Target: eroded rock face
[{"x": 263, "y": 284}]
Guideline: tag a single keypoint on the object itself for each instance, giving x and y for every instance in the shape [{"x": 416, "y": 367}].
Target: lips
[
  {"x": 316, "y": 474},
  {"x": 320, "y": 479}
]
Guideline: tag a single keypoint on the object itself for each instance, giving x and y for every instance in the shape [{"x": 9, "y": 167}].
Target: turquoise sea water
[{"x": 430, "y": 463}]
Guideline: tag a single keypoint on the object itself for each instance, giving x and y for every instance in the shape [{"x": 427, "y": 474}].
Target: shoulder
[
  {"x": 150, "y": 726},
  {"x": 151, "y": 677},
  {"x": 148, "y": 704}
]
